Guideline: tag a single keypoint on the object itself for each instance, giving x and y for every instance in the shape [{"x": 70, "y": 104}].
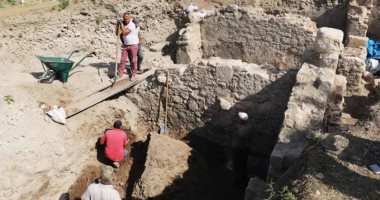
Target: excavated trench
[{"x": 205, "y": 96}]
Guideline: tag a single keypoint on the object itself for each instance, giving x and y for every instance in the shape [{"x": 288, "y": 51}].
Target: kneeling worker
[
  {"x": 102, "y": 189},
  {"x": 115, "y": 140}
]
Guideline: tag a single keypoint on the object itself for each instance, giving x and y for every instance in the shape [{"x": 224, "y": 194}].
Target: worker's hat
[
  {"x": 243, "y": 116},
  {"x": 106, "y": 172}
]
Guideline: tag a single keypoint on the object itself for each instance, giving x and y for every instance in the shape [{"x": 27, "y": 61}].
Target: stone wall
[
  {"x": 256, "y": 37},
  {"x": 189, "y": 44},
  {"x": 327, "y": 13},
  {"x": 352, "y": 62},
  {"x": 208, "y": 92},
  {"x": 374, "y": 21},
  {"x": 308, "y": 101},
  {"x": 358, "y": 17},
  {"x": 204, "y": 97}
]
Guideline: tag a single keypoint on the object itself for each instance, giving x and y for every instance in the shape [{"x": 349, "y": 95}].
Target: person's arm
[
  {"x": 140, "y": 37},
  {"x": 126, "y": 141},
  {"x": 103, "y": 139},
  {"x": 124, "y": 31}
]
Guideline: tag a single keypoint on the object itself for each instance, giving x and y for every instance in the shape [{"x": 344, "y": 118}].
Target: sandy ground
[{"x": 40, "y": 158}]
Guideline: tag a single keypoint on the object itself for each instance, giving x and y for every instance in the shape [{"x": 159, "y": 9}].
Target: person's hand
[{"x": 119, "y": 21}]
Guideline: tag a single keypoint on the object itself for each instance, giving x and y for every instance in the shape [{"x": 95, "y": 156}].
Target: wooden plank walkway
[{"x": 104, "y": 93}]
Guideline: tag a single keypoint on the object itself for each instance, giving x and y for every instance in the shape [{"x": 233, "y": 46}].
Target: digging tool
[
  {"x": 165, "y": 128},
  {"x": 117, "y": 50}
]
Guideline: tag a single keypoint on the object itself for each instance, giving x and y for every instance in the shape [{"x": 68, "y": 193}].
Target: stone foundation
[
  {"x": 256, "y": 37},
  {"x": 308, "y": 101}
]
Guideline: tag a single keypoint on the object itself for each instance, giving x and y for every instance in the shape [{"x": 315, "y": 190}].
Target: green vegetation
[
  {"x": 12, "y": 2},
  {"x": 9, "y": 99},
  {"x": 284, "y": 194},
  {"x": 63, "y": 4},
  {"x": 99, "y": 19}
]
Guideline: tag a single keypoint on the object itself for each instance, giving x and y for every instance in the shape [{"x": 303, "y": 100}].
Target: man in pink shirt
[{"x": 115, "y": 140}]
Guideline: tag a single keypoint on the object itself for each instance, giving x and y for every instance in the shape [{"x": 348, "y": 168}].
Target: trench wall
[
  {"x": 204, "y": 97},
  {"x": 256, "y": 37}
]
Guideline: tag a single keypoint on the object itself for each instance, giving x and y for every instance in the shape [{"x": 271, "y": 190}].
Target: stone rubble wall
[
  {"x": 358, "y": 16},
  {"x": 204, "y": 96},
  {"x": 352, "y": 62},
  {"x": 255, "y": 37},
  {"x": 189, "y": 44},
  {"x": 326, "y": 13},
  {"x": 333, "y": 114},
  {"x": 374, "y": 21},
  {"x": 308, "y": 101}
]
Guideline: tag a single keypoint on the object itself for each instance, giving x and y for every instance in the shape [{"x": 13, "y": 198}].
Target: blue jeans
[{"x": 126, "y": 152}]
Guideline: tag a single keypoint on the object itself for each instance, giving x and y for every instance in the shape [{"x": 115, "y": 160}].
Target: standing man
[
  {"x": 129, "y": 33},
  {"x": 140, "y": 53},
  {"x": 102, "y": 189},
  {"x": 115, "y": 140},
  {"x": 240, "y": 147}
]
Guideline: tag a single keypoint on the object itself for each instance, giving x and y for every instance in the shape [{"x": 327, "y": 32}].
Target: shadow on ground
[{"x": 208, "y": 176}]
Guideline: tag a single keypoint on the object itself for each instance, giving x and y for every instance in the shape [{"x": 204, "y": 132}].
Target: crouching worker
[
  {"x": 102, "y": 189},
  {"x": 115, "y": 140},
  {"x": 240, "y": 147}
]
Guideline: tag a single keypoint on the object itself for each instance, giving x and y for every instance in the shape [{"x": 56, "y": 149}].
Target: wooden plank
[{"x": 95, "y": 98}]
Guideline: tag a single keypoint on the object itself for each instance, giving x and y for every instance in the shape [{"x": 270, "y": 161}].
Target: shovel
[
  {"x": 165, "y": 128},
  {"x": 117, "y": 52}
]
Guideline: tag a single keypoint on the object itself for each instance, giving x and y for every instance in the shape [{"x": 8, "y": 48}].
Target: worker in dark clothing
[{"x": 240, "y": 148}]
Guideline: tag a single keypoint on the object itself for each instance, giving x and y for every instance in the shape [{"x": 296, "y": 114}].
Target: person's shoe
[
  {"x": 230, "y": 166},
  {"x": 117, "y": 164},
  {"x": 139, "y": 71},
  {"x": 132, "y": 76}
]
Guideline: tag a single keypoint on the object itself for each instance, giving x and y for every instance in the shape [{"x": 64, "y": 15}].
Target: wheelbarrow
[{"x": 58, "y": 67}]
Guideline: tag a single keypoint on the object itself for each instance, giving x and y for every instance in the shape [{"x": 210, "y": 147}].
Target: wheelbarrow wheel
[{"x": 47, "y": 77}]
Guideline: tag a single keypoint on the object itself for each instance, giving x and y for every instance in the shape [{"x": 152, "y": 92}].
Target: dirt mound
[{"x": 166, "y": 161}]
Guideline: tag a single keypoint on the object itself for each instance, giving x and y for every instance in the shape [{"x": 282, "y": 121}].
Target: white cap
[{"x": 243, "y": 116}]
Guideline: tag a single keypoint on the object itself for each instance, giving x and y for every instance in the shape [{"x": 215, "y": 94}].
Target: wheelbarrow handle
[
  {"x": 75, "y": 51},
  {"x": 88, "y": 55}
]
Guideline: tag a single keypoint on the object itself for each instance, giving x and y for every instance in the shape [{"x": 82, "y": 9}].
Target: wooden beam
[{"x": 95, "y": 98}]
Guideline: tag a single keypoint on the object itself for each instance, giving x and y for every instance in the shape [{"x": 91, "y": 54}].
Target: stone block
[
  {"x": 354, "y": 41},
  {"x": 329, "y": 60},
  {"x": 277, "y": 157},
  {"x": 224, "y": 73},
  {"x": 224, "y": 104},
  {"x": 328, "y": 40},
  {"x": 256, "y": 189},
  {"x": 340, "y": 85}
]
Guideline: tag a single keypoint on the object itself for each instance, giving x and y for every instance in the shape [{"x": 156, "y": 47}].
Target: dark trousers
[
  {"x": 140, "y": 57},
  {"x": 240, "y": 157}
]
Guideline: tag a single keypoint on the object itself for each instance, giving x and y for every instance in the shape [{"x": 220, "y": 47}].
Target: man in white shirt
[
  {"x": 102, "y": 189},
  {"x": 130, "y": 36}
]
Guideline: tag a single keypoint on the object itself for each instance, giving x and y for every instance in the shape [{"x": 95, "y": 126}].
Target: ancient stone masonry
[
  {"x": 333, "y": 114},
  {"x": 352, "y": 62},
  {"x": 189, "y": 44},
  {"x": 326, "y": 13},
  {"x": 374, "y": 20},
  {"x": 308, "y": 101},
  {"x": 204, "y": 96},
  {"x": 256, "y": 37},
  {"x": 358, "y": 16}
]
